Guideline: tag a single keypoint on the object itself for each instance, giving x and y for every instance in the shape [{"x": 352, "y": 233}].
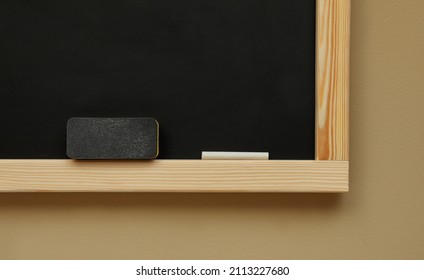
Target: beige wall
[{"x": 382, "y": 216}]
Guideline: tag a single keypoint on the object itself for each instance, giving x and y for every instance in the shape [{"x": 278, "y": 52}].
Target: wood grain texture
[
  {"x": 332, "y": 80},
  {"x": 173, "y": 176}
]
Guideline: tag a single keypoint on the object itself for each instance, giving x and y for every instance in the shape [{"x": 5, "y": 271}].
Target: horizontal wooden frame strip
[{"x": 173, "y": 176}]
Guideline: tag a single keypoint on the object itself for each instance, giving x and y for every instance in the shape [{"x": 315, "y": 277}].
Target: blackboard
[{"x": 218, "y": 75}]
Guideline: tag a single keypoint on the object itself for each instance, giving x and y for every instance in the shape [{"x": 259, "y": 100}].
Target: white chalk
[{"x": 235, "y": 156}]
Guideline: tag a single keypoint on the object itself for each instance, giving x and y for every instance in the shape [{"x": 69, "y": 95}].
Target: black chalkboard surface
[{"x": 225, "y": 75}]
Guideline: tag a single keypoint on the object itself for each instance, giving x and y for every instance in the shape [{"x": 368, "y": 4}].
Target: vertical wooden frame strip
[{"x": 332, "y": 80}]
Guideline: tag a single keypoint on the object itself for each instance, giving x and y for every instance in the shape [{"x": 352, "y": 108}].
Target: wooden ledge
[{"x": 174, "y": 176}]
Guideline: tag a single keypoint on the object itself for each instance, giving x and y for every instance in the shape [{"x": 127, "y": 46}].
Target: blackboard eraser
[{"x": 112, "y": 138}]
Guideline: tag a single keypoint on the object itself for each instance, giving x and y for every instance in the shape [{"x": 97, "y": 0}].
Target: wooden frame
[{"x": 329, "y": 172}]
